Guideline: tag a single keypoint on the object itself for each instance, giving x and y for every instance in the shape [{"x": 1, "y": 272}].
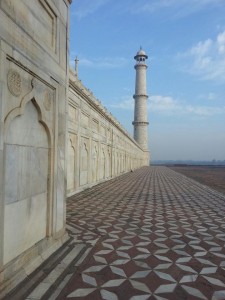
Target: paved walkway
[{"x": 151, "y": 234}]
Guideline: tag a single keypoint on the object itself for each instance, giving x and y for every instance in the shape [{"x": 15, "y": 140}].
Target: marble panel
[
  {"x": 63, "y": 37},
  {"x": 71, "y": 163},
  {"x": 84, "y": 120},
  {"x": 38, "y": 170},
  {"x": 60, "y": 206},
  {"x": 85, "y": 107},
  {"x": 109, "y": 134},
  {"x": 95, "y": 125},
  {"x": 102, "y": 164},
  {"x": 95, "y": 158},
  {"x": 24, "y": 175},
  {"x": 85, "y": 131},
  {"x": 38, "y": 15},
  {"x": 72, "y": 113},
  {"x": 28, "y": 226},
  {"x": 85, "y": 164},
  {"x": 11, "y": 173},
  {"x": 103, "y": 130},
  {"x": 95, "y": 136},
  {"x": 62, "y": 9}
]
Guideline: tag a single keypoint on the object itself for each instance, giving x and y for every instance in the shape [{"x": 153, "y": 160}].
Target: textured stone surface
[
  {"x": 159, "y": 235},
  {"x": 151, "y": 234}
]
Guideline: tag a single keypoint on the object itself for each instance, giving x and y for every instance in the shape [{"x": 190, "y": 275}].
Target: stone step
[{"x": 47, "y": 281}]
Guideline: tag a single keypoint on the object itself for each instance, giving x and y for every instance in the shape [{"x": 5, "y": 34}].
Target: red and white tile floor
[{"x": 154, "y": 234}]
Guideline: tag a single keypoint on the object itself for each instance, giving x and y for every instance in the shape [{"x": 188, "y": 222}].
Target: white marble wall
[
  {"x": 52, "y": 133},
  {"x": 102, "y": 148},
  {"x": 33, "y": 89}
]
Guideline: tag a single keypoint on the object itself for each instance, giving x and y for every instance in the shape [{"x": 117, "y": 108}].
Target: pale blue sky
[{"x": 185, "y": 41}]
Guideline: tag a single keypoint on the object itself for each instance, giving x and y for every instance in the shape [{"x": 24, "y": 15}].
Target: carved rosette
[{"x": 14, "y": 82}]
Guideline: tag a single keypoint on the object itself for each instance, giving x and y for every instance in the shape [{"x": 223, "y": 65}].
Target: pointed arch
[
  {"x": 71, "y": 165},
  {"x": 29, "y": 196},
  {"x": 18, "y": 111},
  {"x": 103, "y": 164},
  {"x": 94, "y": 164},
  {"x": 84, "y": 163}
]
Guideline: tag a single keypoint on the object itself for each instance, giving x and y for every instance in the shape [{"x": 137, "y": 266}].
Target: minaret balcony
[
  {"x": 140, "y": 95},
  {"x": 139, "y": 123},
  {"x": 140, "y": 64}
]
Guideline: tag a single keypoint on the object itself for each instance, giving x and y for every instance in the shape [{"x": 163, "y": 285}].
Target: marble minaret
[{"x": 140, "y": 109}]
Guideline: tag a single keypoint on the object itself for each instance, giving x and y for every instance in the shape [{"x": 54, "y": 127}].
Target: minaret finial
[{"x": 76, "y": 66}]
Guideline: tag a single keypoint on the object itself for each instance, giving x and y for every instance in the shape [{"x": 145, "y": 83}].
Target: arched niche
[
  {"x": 27, "y": 173},
  {"x": 94, "y": 164},
  {"x": 84, "y": 164},
  {"x": 103, "y": 165},
  {"x": 71, "y": 165},
  {"x": 108, "y": 164}
]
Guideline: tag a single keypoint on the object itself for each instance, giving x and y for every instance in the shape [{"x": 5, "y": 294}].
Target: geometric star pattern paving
[{"x": 155, "y": 234}]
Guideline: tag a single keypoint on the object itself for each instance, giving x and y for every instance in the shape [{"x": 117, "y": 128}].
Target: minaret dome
[{"x": 141, "y": 56}]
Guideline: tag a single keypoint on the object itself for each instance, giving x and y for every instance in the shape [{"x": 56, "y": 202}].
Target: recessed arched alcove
[
  {"x": 84, "y": 165},
  {"x": 71, "y": 167},
  {"x": 103, "y": 165},
  {"x": 108, "y": 164},
  {"x": 27, "y": 165},
  {"x": 94, "y": 164}
]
